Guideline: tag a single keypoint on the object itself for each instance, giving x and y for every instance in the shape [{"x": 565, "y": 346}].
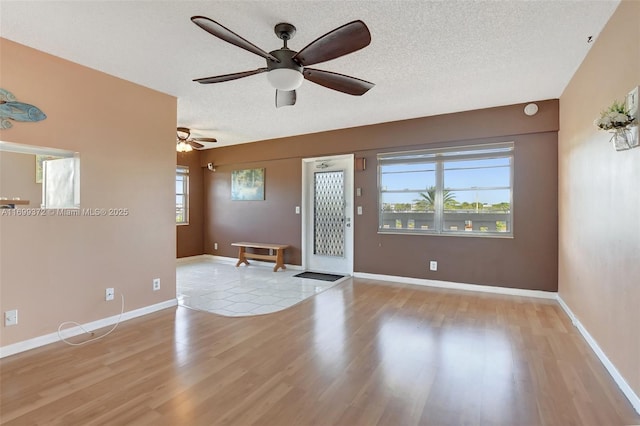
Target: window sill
[{"x": 505, "y": 235}]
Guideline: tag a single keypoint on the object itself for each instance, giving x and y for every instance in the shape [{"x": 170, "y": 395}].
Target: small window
[
  {"x": 182, "y": 195},
  {"x": 448, "y": 191}
]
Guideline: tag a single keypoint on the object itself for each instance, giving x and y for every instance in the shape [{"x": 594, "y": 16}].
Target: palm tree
[{"x": 427, "y": 202}]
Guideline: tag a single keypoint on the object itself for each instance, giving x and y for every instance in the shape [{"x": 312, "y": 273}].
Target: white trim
[
  {"x": 191, "y": 259},
  {"x": 36, "y": 342},
  {"x": 613, "y": 371},
  {"x": 222, "y": 259},
  {"x": 459, "y": 286},
  {"x": 615, "y": 374},
  {"x": 349, "y": 212},
  {"x": 232, "y": 260},
  {"x": 305, "y": 213}
]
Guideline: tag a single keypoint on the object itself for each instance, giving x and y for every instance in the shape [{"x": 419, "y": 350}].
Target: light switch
[
  {"x": 358, "y": 192},
  {"x": 297, "y": 209},
  {"x": 11, "y": 318},
  {"x": 359, "y": 209}
]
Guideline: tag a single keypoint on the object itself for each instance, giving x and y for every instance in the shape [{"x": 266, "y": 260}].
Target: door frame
[{"x": 307, "y": 228}]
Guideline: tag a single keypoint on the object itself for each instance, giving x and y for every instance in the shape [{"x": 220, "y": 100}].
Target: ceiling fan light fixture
[
  {"x": 285, "y": 79},
  {"x": 286, "y": 68},
  {"x": 182, "y": 146}
]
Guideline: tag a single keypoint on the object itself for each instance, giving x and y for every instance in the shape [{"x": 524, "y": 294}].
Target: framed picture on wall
[{"x": 247, "y": 184}]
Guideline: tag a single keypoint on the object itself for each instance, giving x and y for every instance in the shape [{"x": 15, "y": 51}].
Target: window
[
  {"x": 182, "y": 195},
  {"x": 447, "y": 191}
]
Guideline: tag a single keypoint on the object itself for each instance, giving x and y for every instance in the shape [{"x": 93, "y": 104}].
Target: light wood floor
[{"x": 362, "y": 353}]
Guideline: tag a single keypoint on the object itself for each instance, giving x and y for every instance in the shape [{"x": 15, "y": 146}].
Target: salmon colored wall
[
  {"x": 527, "y": 261},
  {"x": 55, "y": 268},
  {"x": 599, "y": 198},
  {"x": 190, "y": 237}
]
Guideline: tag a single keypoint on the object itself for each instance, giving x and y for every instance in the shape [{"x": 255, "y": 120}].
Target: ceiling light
[
  {"x": 285, "y": 79},
  {"x": 182, "y": 146}
]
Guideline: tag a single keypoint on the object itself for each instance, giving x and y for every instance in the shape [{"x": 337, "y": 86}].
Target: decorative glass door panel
[{"x": 329, "y": 214}]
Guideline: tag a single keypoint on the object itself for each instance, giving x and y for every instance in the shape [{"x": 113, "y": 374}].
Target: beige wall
[
  {"x": 55, "y": 269},
  {"x": 18, "y": 178},
  {"x": 599, "y": 198},
  {"x": 527, "y": 261}
]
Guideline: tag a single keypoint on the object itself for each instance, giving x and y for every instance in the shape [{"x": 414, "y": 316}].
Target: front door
[{"x": 327, "y": 234}]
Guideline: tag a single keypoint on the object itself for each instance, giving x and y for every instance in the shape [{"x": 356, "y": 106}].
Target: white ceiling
[{"x": 426, "y": 57}]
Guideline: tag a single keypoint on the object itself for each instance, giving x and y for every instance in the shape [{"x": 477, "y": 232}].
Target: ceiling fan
[
  {"x": 287, "y": 68},
  {"x": 186, "y": 143}
]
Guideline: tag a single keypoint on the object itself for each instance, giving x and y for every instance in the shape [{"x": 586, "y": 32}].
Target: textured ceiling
[{"x": 426, "y": 57}]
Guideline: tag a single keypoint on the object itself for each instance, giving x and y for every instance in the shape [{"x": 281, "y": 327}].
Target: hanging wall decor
[
  {"x": 11, "y": 109},
  {"x": 247, "y": 185},
  {"x": 618, "y": 120}
]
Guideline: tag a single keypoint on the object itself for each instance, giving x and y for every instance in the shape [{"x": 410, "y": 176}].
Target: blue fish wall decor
[{"x": 11, "y": 109}]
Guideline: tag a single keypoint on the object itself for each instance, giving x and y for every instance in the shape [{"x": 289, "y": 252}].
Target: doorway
[{"x": 327, "y": 214}]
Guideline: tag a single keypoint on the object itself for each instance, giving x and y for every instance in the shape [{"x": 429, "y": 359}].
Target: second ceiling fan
[
  {"x": 287, "y": 68},
  {"x": 186, "y": 143}
]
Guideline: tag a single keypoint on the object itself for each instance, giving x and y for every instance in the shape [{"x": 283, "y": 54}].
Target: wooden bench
[{"x": 277, "y": 257}]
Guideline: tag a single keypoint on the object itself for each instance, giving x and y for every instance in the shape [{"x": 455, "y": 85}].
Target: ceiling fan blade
[
  {"x": 228, "y": 77},
  {"x": 195, "y": 144},
  {"x": 339, "y": 42},
  {"x": 340, "y": 82},
  {"x": 285, "y": 98},
  {"x": 223, "y": 33},
  {"x": 205, "y": 140}
]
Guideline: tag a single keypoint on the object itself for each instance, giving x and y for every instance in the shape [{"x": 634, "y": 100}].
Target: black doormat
[{"x": 319, "y": 276}]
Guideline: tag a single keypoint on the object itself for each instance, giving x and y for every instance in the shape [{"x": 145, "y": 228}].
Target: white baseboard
[
  {"x": 232, "y": 260},
  {"x": 191, "y": 259},
  {"x": 222, "y": 259},
  {"x": 459, "y": 286},
  {"x": 75, "y": 331},
  {"x": 617, "y": 377},
  {"x": 613, "y": 371}
]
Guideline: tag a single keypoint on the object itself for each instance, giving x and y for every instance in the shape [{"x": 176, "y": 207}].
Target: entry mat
[{"x": 319, "y": 276}]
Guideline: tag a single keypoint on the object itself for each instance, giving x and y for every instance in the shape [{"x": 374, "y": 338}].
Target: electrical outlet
[
  {"x": 109, "y": 294},
  {"x": 433, "y": 265},
  {"x": 11, "y": 318},
  {"x": 156, "y": 284},
  {"x": 215, "y": 246}
]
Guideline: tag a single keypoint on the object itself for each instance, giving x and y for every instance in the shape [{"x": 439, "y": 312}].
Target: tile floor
[{"x": 221, "y": 288}]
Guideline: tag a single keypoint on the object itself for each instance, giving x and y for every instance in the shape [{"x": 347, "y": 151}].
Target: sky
[{"x": 485, "y": 181}]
